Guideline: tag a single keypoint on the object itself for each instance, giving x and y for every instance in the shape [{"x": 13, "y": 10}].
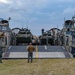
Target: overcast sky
[{"x": 37, "y": 14}]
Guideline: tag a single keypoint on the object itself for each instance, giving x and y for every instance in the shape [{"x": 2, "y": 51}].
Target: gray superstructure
[
  {"x": 5, "y": 32},
  {"x": 67, "y": 35},
  {"x": 67, "y": 32}
]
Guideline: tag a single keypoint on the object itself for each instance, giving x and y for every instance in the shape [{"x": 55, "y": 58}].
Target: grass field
[{"x": 38, "y": 67}]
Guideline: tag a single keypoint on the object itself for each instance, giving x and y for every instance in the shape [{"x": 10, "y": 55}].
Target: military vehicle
[
  {"x": 49, "y": 37},
  {"x": 15, "y": 31},
  {"x": 24, "y": 36},
  {"x": 55, "y": 33},
  {"x": 44, "y": 37},
  {"x": 35, "y": 40}
]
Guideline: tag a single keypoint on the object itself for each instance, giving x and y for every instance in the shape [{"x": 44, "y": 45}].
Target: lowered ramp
[{"x": 40, "y": 52}]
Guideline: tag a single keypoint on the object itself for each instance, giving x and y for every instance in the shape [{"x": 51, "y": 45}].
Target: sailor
[
  {"x": 30, "y": 49},
  {"x": 1, "y": 51}
]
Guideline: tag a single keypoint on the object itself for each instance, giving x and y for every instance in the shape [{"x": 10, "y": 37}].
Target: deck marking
[
  {"x": 10, "y": 47},
  {"x": 71, "y": 55},
  {"x": 61, "y": 54},
  {"x": 63, "y": 47},
  {"x": 45, "y": 47},
  {"x": 26, "y": 47},
  {"x": 36, "y": 51}
]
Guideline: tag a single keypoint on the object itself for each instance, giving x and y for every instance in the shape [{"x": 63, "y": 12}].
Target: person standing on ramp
[{"x": 30, "y": 49}]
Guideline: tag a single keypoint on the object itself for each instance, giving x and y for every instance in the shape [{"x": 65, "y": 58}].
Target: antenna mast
[{"x": 26, "y": 23}]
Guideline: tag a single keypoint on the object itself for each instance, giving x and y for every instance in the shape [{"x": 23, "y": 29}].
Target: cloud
[
  {"x": 28, "y": 4},
  {"x": 62, "y": 1},
  {"x": 38, "y": 13},
  {"x": 69, "y": 11},
  {"x": 21, "y": 7},
  {"x": 66, "y": 1},
  {"x": 3, "y": 1}
]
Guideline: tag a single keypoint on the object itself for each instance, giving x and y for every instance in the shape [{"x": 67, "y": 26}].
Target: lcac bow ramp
[{"x": 14, "y": 52}]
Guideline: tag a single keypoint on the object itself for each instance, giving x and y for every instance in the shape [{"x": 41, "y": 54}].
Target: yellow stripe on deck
[{"x": 36, "y": 51}]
